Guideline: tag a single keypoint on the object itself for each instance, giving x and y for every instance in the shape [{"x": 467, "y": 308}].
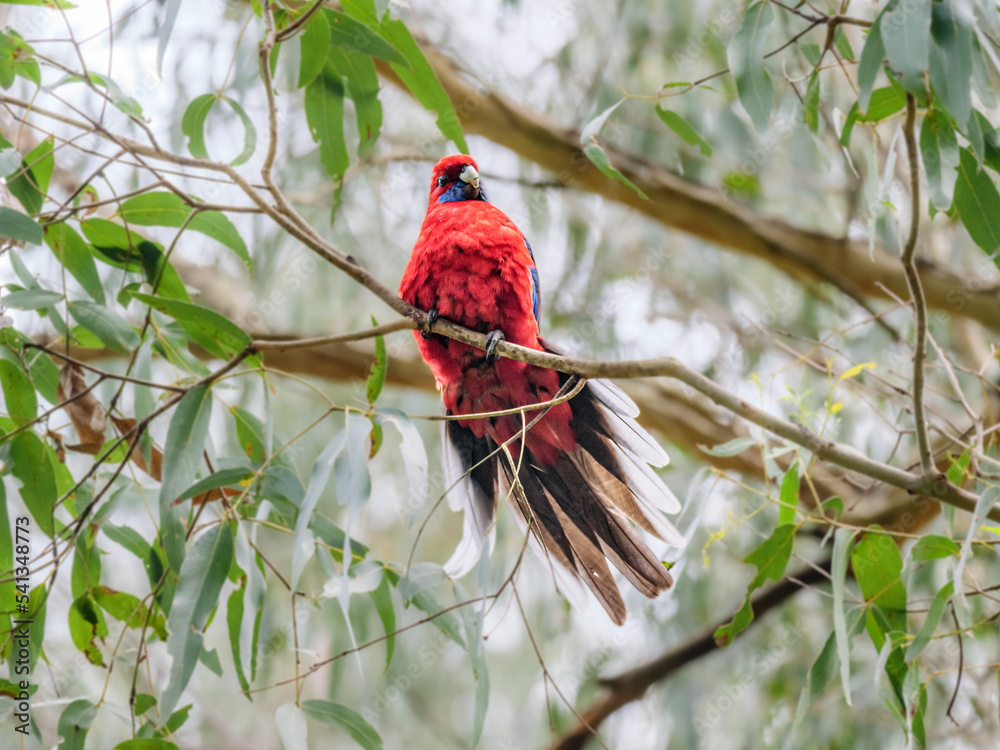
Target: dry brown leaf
[{"x": 86, "y": 412}]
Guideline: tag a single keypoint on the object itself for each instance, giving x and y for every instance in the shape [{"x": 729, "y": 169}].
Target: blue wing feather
[{"x": 535, "y": 296}]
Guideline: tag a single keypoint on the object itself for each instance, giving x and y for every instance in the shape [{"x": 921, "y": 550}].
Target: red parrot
[{"x": 585, "y": 468}]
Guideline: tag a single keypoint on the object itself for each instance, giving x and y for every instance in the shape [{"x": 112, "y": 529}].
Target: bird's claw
[
  {"x": 432, "y": 316},
  {"x": 492, "y": 339}
]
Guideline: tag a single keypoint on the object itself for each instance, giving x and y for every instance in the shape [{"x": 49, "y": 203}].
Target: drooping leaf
[
  {"x": 843, "y": 539},
  {"x": 789, "y": 495},
  {"x": 951, "y": 59},
  {"x": 978, "y": 202},
  {"x": 770, "y": 559},
  {"x": 18, "y": 391},
  {"x": 112, "y": 329},
  {"x": 325, "y": 117},
  {"x": 30, "y": 182},
  {"x": 934, "y": 547},
  {"x": 931, "y": 621},
  {"x": 74, "y": 723},
  {"x": 165, "y": 209},
  {"x": 906, "y": 34},
  {"x": 376, "y": 373},
  {"x": 939, "y": 151},
  {"x": 361, "y": 79},
  {"x": 356, "y": 36},
  {"x": 19, "y": 226},
  {"x": 684, "y": 129},
  {"x": 872, "y": 57},
  {"x": 314, "y": 43},
  {"x": 381, "y": 597},
  {"x": 810, "y": 113},
  {"x": 129, "y": 609},
  {"x": 746, "y": 62},
  {"x": 193, "y": 123},
  {"x": 346, "y": 719},
  {"x": 17, "y": 59},
  {"x": 86, "y": 626},
  {"x": 77, "y": 258},
  {"x": 182, "y": 455},
  {"x": 417, "y": 75},
  {"x": 38, "y": 480},
  {"x": 201, "y": 578},
  {"x": 877, "y": 567},
  {"x": 216, "y": 333}
]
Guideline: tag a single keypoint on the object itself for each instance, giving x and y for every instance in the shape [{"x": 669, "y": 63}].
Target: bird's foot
[
  {"x": 492, "y": 339},
  {"x": 432, "y": 316}
]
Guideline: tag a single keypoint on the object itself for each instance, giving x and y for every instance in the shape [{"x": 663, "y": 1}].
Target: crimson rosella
[{"x": 585, "y": 466}]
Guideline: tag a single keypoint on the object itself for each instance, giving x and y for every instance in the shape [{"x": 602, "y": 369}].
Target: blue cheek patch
[{"x": 456, "y": 193}]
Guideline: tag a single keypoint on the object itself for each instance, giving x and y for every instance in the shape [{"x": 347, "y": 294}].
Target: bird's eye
[{"x": 442, "y": 180}]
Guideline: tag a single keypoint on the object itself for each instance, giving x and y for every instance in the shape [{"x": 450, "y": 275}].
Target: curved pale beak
[{"x": 469, "y": 175}]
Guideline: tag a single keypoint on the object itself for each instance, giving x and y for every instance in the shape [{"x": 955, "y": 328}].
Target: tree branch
[
  {"x": 700, "y": 211},
  {"x": 632, "y": 685},
  {"x": 916, "y": 290}
]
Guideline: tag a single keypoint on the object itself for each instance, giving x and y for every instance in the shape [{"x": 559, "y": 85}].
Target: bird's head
[{"x": 456, "y": 178}]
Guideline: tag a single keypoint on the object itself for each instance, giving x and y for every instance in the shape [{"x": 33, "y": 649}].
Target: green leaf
[
  {"x": 872, "y": 56},
  {"x": 346, "y": 719},
  {"x": 599, "y": 158},
  {"x": 38, "y": 480},
  {"x": 939, "y": 151},
  {"x": 314, "y": 43},
  {"x": 843, "y": 539},
  {"x": 74, "y": 723},
  {"x": 182, "y": 455},
  {"x": 417, "y": 588},
  {"x": 292, "y": 729},
  {"x": 86, "y": 625},
  {"x": 17, "y": 58},
  {"x": 957, "y": 469},
  {"x": 232, "y": 477},
  {"x": 249, "y": 133},
  {"x": 421, "y": 80},
  {"x": 789, "y": 495},
  {"x": 31, "y": 299},
  {"x": 978, "y": 202},
  {"x": 934, "y": 547},
  {"x": 987, "y": 498},
  {"x": 878, "y": 567},
  {"x": 249, "y": 434},
  {"x": 166, "y": 28},
  {"x": 18, "y": 226},
  {"x": 193, "y": 123},
  {"x": 128, "y": 609},
  {"x": 746, "y": 61},
  {"x": 926, "y": 631},
  {"x": 217, "y": 334},
  {"x": 201, "y": 578},
  {"x": 31, "y": 181},
  {"x": 325, "y": 117},
  {"x": 820, "y": 674},
  {"x": 810, "y": 113},
  {"x": 770, "y": 559},
  {"x": 112, "y": 329},
  {"x": 304, "y": 540},
  {"x": 362, "y": 82},
  {"x": 683, "y": 128},
  {"x": 381, "y": 597},
  {"x": 906, "y": 34},
  {"x": 357, "y": 37},
  {"x": 76, "y": 257},
  {"x": 951, "y": 59},
  {"x": 165, "y": 209},
  {"x": 376, "y": 373},
  {"x": 843, "y": 44},
  {"x": 146, "y": 743},
  {"x": 18, "y": 392}
]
